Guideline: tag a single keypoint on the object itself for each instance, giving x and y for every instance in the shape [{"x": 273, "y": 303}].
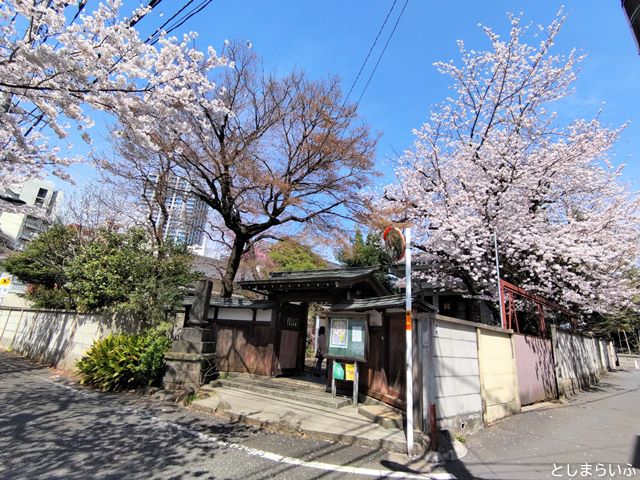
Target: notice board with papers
[{"x": 348, "y": 337}]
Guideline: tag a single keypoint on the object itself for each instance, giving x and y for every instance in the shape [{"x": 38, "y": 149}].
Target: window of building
[{"x": 41, "y": 197}]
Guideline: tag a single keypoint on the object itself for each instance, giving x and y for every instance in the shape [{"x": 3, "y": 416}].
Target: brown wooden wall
[
  {"x": 244, "y": 347},
  {"x": 383, "y": 377}
]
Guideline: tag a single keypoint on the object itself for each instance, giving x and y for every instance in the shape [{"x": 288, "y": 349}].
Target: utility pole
[
  {"x": 409, "y": 341},
  {"x": 398, "y": 246},
  {"x": 500, "y": 299}
]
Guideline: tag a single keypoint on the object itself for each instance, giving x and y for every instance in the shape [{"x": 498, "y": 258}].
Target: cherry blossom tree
[
  {"x": 58, "y": 64},
  {"x": 495, "y": 157}
]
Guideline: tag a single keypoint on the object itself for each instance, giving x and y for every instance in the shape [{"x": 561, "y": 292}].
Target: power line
[
  {"x": 197, "y": 9},
  {"x": 151, "y": 5},
  {"x": 159, "y": 29},
  {"x": 382, "y": 52},
  {"x": 177, "y": 19},
  {"x": 370, "y": 50}
]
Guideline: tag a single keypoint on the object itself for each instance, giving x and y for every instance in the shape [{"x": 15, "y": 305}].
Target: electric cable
[
  {"x": 382, "y": 52},
  {"x": 370, "y": 51}
]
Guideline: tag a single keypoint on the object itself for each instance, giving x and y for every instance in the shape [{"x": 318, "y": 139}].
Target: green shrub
[
  {"x": 123, "y": 273},
  {"x": 124, "y": 361},
  {"x": 49, "y": 298}
]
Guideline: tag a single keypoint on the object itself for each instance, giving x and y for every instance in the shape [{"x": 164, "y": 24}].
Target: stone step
[
  {"x": 287, "y": 383},
  {"x": 384, "y": 415},
  {"x": 312, "y": 385},
  {"x": 344, "y": 425},
  {"x": 313, "y": 397},
  {"x": 308, "y": 397},
  {"x": 281, "y": 383}
]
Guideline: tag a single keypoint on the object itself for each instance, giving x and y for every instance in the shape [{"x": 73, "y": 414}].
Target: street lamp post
[{"x": 500, "y": 299}]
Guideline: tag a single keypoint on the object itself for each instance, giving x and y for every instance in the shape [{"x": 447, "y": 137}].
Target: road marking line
[{"x": 274, "y": 457}]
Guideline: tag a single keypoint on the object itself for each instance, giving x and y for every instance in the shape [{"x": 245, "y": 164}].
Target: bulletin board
[{"x": 348, "y": 338}]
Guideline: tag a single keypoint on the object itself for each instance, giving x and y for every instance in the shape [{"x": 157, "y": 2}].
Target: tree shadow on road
[{"x": 48, "y": 430}]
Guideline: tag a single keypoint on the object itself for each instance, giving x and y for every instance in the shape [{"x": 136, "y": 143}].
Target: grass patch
[{"x": 461, "y": 438}]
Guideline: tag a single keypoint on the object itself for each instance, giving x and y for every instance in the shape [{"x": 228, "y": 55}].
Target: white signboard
[{"x": 356, "y": 335}]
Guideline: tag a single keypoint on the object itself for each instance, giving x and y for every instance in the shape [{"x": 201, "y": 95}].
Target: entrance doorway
[{"x": 292, "y": 338}]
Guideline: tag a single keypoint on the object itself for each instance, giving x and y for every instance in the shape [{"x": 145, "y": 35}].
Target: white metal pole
[
  {"x": 409, "y": 342},
  {"x": 315, "y": 335},
  {"x": 500, "y": 299}
]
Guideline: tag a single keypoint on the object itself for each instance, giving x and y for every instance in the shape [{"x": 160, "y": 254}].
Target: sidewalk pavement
[
  {"x": 343, "y": 425},
  {"x": 594, "y": 430}
]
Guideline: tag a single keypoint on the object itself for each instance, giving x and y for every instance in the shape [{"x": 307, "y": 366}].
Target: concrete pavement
[{"x": 343, "y": 424}]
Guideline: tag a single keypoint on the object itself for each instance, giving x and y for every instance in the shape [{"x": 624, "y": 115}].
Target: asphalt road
[
  {"x": 596, "y": 434},
  {"x": 51, "y": 428}
]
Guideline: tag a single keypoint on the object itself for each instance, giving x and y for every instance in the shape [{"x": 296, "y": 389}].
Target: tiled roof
[
  {"x": 315, "y": 279},
  {"x": 235, "y": 303},
  {"x": 379, "y": 303},
  {"x": 330, "y": 274}
]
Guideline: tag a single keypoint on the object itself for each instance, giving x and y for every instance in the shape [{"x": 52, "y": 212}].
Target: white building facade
[{"x": 35, "y": 215}]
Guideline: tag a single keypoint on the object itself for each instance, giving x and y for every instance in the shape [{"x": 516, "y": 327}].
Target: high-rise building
[
  {"x": 186, "y": 214},
  {"x": 35, "y": 205},
  {"x": 632, "y": 11}
]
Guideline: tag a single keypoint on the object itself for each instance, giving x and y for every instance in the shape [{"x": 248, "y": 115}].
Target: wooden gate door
[
  {"x": 292, "y": 327},
  {"x": 396, "y": 372}
]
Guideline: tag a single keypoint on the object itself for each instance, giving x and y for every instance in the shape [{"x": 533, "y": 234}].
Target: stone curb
[{"x": 276, "y": 424}]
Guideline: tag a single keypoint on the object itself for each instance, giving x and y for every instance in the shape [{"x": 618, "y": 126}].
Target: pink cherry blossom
[{"x": 494, "y": 157}]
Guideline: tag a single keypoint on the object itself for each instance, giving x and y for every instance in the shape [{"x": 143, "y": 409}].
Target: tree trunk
[
  {"x": 619, "y": 340},
  {"x": 626, "y": 339},
  {"x": 232, "y": 266}
]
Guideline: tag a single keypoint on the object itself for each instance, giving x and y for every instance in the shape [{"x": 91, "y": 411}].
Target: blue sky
[{"x": 333, "y": 37}]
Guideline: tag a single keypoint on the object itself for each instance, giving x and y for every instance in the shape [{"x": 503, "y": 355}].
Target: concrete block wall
[
  {"x": 629, "y": 361},
  {"x": 457, "y": 375},
  {"x": 536, "y": 374},
  {"x": 473, "y": 375},
  {"x": 613, "y": 358},
  {"x": 57, "y": 338},
  {"x": 578, "y": 361},
  {"x": 604, "y": 357},
  {"x": 498, "y": 374}
]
